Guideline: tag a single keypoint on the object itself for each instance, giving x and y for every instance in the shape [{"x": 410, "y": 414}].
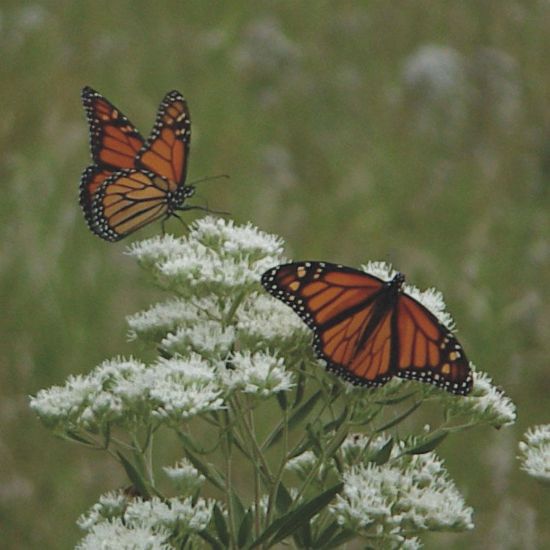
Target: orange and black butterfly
[
  {"x": 369, "y": 330},
  {"x": 133, "y": 182}
]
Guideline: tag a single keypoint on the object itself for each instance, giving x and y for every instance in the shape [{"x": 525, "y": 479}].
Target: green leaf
[
  {"x": 335, "y": 424},
  {"x": 326, "y": 534},
  {"x": 295, "y": 418},
  {"x": 283, "y": 500},
  {"x": 78, "y": 438},
  {"x": 237, "y": 509},
  {"x": 341, "y": 538},
  {"x": 382, "y": 455},
  {"x": 207, "y": 470},
  {"x": 212, "y": 541},
  {"x": 428, "y": 444},
  {"x": 399, "y": 418},
  {"x": 245, "y": 529},
  {"x": 291, "y": 521},
  {"x": 300, "y": 386},
  {"x": 282, "y": 400},
  {"x": 134, "y": 476},
  {"x": 220, "y": 525},
  {"x": 394, "y": 400}
]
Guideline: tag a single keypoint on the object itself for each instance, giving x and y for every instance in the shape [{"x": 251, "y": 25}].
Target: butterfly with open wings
[
  {"x": 369, "y": 330},
  {"x": 133, "y": 182}
]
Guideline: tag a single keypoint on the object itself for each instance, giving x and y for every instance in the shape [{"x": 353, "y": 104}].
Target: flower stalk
[{"x": 237, "y": 383}]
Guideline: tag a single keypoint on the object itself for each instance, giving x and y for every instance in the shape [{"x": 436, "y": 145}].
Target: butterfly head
[
  {"x": 188, "y": 191},
  {"x": 397, "y": 282}
]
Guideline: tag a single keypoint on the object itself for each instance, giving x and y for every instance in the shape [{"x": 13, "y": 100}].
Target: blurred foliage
[{"x": 414, "y": 132}]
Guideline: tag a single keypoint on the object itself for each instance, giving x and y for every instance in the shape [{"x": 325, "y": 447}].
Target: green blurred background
[{"x": 407, "y": 131}]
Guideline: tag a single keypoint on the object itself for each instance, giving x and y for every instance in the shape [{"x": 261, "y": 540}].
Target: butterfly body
[
  {"x": 369, "y": 330},
  {"x": 133, "y": 182}
]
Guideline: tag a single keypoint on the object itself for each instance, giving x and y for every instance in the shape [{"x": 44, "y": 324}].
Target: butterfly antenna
[{"x": 208, "y": 178}]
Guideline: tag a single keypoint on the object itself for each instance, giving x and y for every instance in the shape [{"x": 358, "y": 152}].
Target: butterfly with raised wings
[
  {"x": 133, "y": 182},
  {"x": 369, "y": 330}
]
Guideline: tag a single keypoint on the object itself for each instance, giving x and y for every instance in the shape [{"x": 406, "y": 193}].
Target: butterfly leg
[{"x": 205, "y": 209}]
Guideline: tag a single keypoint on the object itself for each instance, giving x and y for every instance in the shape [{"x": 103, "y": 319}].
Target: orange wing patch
[
  {"x": 114, "y": 140},
  {"x": 126, "y": 201},
  {"x": 428, "y": 351},
  {"x": 167, "y": 150}
]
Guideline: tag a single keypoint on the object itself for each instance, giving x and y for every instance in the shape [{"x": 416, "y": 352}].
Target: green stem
[
  {"x": 251, "y": 437},
  {"x": 280, "y": 471},
  {"x": 228, "y": 489},
  {"x": 256, "y": 482}
]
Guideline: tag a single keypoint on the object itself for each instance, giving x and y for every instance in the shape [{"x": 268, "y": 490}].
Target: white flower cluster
[
  {"x": 406, "y": 495},
  {"x": 118, "y": 522},
  {"x": 259, "y": 374},
  {"x": 126, "y": 391},
  {"x": 115, "y": 535},
  {"x": 535, "y": 453},
  {"x": 185, "y": 477},
  {"x": 487, "y": 404},
  {"x": 216, "y": 256}
]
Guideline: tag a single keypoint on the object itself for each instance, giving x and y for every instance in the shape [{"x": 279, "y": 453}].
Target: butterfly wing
[
  {"x": 167, "y": 150},
  {"x": 367, "y": 329},
  {"x": 344, "y": 308},
  {"x": 126, "y": 201},
  {"x": 114, "y": 143},
  {"x": 428, "y": 351}
]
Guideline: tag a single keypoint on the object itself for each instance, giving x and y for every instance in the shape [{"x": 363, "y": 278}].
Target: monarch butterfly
[
  {"x": 133, "y": 182},
  {"x": 369, "y": 330}
]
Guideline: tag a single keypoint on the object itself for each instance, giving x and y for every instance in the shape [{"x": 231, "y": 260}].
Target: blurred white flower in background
[{"x": 535, "y": 453}]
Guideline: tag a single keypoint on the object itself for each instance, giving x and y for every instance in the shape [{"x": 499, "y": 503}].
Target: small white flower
[
  {"x": 180, "y": 516},
  {"x": 181, "y": 388},
  {"x": 302, "y": 464},
  {"x": 244, "y": 240},
  {"x": 216, "y": 257},
  {"x": 184, "y": 476},
  {"x": 262, "y": 320},
  {"x": 154, "y": 323},
  {"x": 150, "y": 251},
  {"x": 407, "y": 493},
  {"x": 258, "y": 373},
  {"x": 207, "y": 338},
  {"x": 535, "y": 453},
  {"x": 486, "y": 403},
  {"x": 114, "y": 535},
  {"x": 111, "y": 505}
]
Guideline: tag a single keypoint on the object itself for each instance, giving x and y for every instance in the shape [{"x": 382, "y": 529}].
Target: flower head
[
  {"x": 259, "y": 373},
  {"x": 535, "y": 453},
  {"x": 486, "y": 404}
]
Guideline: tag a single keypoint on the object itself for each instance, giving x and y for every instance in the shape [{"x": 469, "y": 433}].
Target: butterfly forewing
[
  {"x": 114, "y": 140},
  {"x": 366, "y": 329},
  {"x": 167, "y": 150},
  {"x": 114, "y": 144}
]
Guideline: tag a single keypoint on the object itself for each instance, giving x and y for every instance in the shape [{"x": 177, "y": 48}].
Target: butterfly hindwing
[
  {"x": 167, "y": 150},
  {"x": 368, "y": 330},
  {"x": 128, "y": 200}
]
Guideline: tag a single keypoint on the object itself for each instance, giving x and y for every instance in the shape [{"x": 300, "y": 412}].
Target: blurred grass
[{"x": 341, "y": 134}]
